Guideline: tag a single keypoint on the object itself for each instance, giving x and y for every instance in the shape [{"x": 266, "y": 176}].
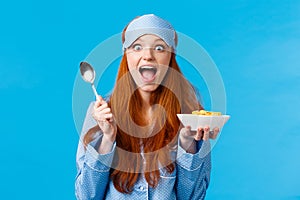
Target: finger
[
  {"x": 217, "y": 129},
  {"x": 206, "y": 133},
  {"x": 105, "y": 111},
  {"x": 102, "y": 101},
  {"x": 99, "y": 98},
  {"x": 108, "y": 116},
  {"x": 188, "y": 127},
  {"x": 185, "y": 132},
  {"x": 199, "y": 134},
  {"x": 213, "y": 136},
  {"x": 189, "y": 131},
  {"x": 99, "y": 101},
  {"x": 103, "y": 105},
  {"x": 100, "y": 116},
  {"x": 97, "y": 104},
  {"x": 214, "y": 133}
]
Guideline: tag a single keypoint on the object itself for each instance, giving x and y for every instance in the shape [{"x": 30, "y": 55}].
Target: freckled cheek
[
  {"x": 132, "y": 61},
  {"x": 134, "y": 74},
  {"x": 164, "y": 64},
  {"x": 164, "y": 59}
]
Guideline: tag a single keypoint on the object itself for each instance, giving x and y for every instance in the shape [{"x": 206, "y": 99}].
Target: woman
[{"x": 133, "y": 146}]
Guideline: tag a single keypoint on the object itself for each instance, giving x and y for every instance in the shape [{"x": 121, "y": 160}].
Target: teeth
[{"x": 147, "y": 67}]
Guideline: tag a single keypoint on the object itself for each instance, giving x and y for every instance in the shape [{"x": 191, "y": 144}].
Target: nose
[{"x": 148, "y": 54}]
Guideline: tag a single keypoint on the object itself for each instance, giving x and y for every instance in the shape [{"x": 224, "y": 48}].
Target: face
[{"x": 148, "y": 59}]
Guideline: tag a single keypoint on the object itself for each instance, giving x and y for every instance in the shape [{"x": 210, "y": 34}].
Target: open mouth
[{"x": 148, "y": 73}]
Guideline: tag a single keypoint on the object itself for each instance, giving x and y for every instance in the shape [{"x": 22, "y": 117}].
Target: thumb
[{"x": 99, "y": 98}]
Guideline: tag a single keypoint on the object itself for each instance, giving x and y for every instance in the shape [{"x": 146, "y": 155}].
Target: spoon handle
[{"x": 95, "y": 91}]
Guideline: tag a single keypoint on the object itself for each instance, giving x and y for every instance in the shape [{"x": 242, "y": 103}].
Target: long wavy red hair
[{"x": 134, "y": 135}]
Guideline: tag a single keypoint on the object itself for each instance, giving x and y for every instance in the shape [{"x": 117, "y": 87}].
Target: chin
[{"x": 149, "y": 88}]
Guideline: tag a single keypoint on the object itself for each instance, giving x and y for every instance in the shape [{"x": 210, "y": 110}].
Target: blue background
[{"x": 255, "y": 45}]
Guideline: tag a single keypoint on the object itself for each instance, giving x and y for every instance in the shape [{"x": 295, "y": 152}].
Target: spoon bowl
[{"x": 88, "y": 74}]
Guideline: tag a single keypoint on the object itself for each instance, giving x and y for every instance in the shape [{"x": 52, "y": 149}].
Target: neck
[
  {"x": 145, "y": 99},
  {"x": 146, "y": 111}
]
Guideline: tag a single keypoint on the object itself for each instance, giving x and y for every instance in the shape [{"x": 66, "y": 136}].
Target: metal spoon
[{"x": 88, "y": 74}]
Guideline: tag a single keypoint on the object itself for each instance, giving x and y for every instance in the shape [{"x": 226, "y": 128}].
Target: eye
[
  {"x": 137, "y": 47},
  {"x": 159, "y": 48}
]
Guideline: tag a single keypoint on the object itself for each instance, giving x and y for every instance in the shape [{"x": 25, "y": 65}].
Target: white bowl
[{"x": 196, "y": 121}]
